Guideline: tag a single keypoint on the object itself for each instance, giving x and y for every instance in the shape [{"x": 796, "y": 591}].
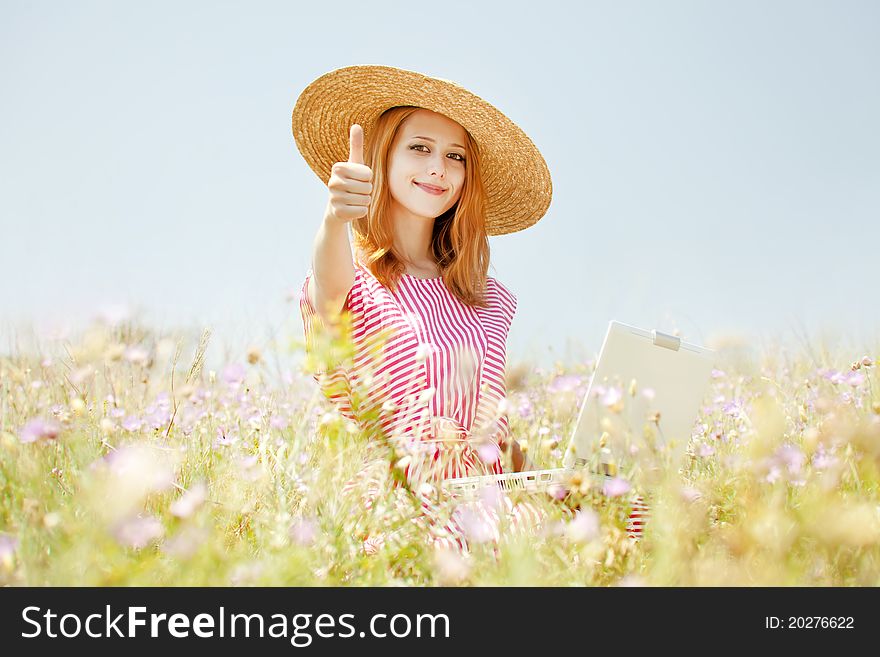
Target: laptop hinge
[{"x": 665, "y": 340}]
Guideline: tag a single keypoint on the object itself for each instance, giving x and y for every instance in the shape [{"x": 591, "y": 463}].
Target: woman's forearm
[{"x": 332, "y": 265}]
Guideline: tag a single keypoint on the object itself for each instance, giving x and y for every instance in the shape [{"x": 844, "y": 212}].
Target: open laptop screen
[{"x": 671, "y": 377}]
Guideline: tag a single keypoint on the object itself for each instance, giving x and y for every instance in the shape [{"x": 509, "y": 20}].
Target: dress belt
[
  {"x": 447, "y": 428},
  {"x": 445, "y": 431},
  {"x": 442, "y": 430}
]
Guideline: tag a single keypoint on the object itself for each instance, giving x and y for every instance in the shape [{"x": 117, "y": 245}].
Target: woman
[{"x": 442, "y": 170}]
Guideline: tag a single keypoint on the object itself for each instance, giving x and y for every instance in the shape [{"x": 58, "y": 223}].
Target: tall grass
[{"x": 123, "y": 462}]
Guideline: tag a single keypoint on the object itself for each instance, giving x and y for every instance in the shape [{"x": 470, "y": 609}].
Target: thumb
[{"x": 356, "y": 144}]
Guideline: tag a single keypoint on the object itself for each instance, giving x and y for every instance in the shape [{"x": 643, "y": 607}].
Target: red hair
[{"x": 459, "y": 243}]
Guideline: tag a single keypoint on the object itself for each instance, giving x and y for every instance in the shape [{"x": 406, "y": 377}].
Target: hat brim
[{"x": 515, "y": 175}]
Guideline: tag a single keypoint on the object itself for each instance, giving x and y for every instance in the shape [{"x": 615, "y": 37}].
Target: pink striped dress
[
  {"x": 428, "y": 372},
  {"x": 440, "y": 373}
]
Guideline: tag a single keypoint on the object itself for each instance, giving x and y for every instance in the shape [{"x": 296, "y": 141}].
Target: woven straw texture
[{"x": 514, "y": 173}]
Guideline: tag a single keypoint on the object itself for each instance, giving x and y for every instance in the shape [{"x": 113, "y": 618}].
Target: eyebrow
[{"x": 429, "y": 139}]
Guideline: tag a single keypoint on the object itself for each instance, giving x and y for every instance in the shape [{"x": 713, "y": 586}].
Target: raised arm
[{"x": 350, "y": 186}]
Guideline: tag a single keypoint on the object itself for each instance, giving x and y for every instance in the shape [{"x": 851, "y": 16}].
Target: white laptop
[{"x": 672, "y": 377}]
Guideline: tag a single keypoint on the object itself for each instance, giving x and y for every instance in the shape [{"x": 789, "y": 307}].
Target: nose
[{"x": 437, "y": 166}]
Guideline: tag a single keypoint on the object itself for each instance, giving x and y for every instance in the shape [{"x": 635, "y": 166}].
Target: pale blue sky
[{"x": 716, "y": 166}]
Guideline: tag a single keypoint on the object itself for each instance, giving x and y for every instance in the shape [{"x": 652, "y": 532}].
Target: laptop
[{"x": 667, "y": 376}]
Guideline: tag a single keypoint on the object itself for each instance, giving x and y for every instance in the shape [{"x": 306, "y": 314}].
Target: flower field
[{"x": 125, "y": 461}]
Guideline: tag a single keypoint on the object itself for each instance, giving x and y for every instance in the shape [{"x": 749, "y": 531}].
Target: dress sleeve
[
  {"x": 505, "y": 308},
  {"x": 329, "y": 367},
  {"x": 507, "y": 304}
]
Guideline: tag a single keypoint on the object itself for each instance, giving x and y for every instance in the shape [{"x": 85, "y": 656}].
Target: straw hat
[{"x": 515, "y": 175}]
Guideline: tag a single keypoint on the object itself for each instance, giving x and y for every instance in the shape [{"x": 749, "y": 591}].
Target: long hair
[{"x": 459, "y": 241}]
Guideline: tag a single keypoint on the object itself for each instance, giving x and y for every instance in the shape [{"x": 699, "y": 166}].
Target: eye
[{"x": 458, "y": 157}]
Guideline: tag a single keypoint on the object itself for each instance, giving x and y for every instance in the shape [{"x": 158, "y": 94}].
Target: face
[{"x": 429, "y": 148}]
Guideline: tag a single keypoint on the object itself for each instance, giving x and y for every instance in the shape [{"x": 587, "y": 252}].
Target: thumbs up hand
[
  {"x": 356, "y": 144},
  {"x": 350, "y": 182}
]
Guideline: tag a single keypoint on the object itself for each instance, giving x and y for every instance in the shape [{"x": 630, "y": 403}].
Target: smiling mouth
[{"x": 431, "y": 189}]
